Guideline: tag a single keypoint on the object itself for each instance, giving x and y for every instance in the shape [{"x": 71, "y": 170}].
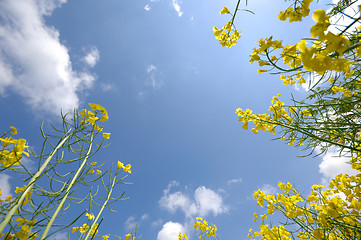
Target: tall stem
[
  {"x": 50, "y": 223},
  {"x": 101, "y": 210}
]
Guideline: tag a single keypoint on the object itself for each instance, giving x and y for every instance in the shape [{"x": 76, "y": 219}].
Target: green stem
[
  {"x": 101, "y": 210},
  {"x": 235, "y": 11},
  {"x": 31, "y": 183},
  {"x": 71, "y": 184}
]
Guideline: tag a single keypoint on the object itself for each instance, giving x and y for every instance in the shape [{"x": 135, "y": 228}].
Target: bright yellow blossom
[
  {"x": 127, "y": 168},
  {"x": 90, "y": 216},
  {"x": 14, "y": 130},
  {"x": 225, "y": 10},
  {"x": 84, "y": 228},
  {"x": 106, "y": 135}
]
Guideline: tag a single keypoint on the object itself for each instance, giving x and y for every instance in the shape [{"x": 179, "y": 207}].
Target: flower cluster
[
  {"x": 85, "y": 227},
  {"x": 202, "y": 225},
  {"x": 296, "y": 13},
  {"x": 12, "y": 149},
  {"x": 324, "y": 214},
  {"x": 124, "y": 168},
  {"x": 267, "y": 121},
  {"x": 326, "y": 54},
  {"x": 205, "y": 230},
  {"x": 224, "y": 35},
  {"x": 91, "y": 116}
]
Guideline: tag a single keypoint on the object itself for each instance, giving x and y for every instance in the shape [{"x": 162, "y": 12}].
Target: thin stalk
[
  {"x": 101, "y": 210},
  {"x": 31, "y": 183},
  {"x": 67, "y": 191}
]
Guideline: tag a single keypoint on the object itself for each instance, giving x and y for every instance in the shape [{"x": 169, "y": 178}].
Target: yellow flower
[
  {"x": 23, "y": 233},
  {"x": 74, "y": 229},
  {"x": 292, "y": 109},
  {"x": 305, "y": 112},
  {"x": 319, "y": 16},
  {"x": 316, "y": 187},
  {"x": 94, "y": 106},
  {"x": 127, "y": 168},
  {"x": 90, "y": 216},
  {"x": 120, "y": 165},
  {"x": 94, "y": 231},
  {"x": 182, "y": 236},
  {"x": 217, "y": 31},
  {"x": 225, "y": 10},
  {"x": 99, "y": 172},
  {"x": 124, "y": 168},
  {"x": 83, "y": 113},
  {"x": 7, "y": 141},
  {"x": 127, "y": 237},
  {"x": 20, "y": 189},
  {"x": 13, "y": 131},
  {"x": 105, "y": 237},
  {"x": 106, "y": 135},
  {"x": 84, "y": 228},
  {"x": 236, "y": 34},
  {"x": 228, "y": 26}
]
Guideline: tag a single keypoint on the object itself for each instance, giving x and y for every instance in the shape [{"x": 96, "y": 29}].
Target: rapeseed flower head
[
  {"x": 225, "y": 10},
  {"x": 13, "y": 131},
  {"x": 127, "y": 168},
  {"x": 84, "y": 228},
  {"x": 90, "y": 216}
]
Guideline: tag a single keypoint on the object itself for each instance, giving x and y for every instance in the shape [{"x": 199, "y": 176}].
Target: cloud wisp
[
  {"x": 33, "y": 62},
  {"x": 233, "y": 181},
  {"x": 175, "y": 4},
  {"x": 205, "y": 201},
  {"x": 154, "y": 77}
]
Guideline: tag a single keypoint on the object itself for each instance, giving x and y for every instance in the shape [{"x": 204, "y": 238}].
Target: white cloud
[
  {"x": 332, "y": 164},
  {"x": 106, "y": 86},
  {"x": 92, "y": 57},
  {"x": 5, "y": 186},
  {"x": 268, "y": 189},
  {"x": 33, "y": 62},
  {"x": 130, "y": 223},
  {"x": 154, "y": 77},
  {"x": 151, "y": 68},
  {"x": 176, "y": 6},
  {"x": 147, "y": 7},
  {"x": 170, "y": 231},
  {"x": 205, "y": 202},
  {"x": 144, "y": 217},
  {"x": 157, "y": 223},
  {"x": 236, "y": 180},
  {"x": 46, "y": 7}
]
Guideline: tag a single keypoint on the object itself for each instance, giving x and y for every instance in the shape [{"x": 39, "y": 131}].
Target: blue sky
[{"x": 171, "y": 92}]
